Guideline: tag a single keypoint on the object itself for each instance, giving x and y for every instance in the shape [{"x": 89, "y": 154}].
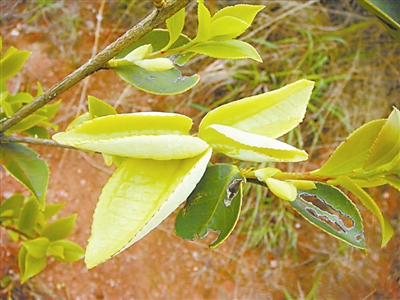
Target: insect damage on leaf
[{"x": 232, "y": 190}]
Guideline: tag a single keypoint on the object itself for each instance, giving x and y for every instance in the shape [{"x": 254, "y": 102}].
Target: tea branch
[
  {"x": 33, "y": 141},
  {"x": 154, "y": 19}
]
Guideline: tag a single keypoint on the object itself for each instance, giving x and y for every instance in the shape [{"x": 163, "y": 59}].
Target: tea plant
[{"x": 160, "y": 164}]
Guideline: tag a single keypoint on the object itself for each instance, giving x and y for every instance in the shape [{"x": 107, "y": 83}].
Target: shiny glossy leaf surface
[
  {"x": 214, "y": 205},
  {"x": 246, "y": 146},
  {"x": 26, "y": 167},
  {"x": 139, "y": 196},
  {"x": 270, "y": 114},
  {"x": 153, "y": 135},
  {"x": 332, "y": 211},
  {"x": 230, "y": 49}
]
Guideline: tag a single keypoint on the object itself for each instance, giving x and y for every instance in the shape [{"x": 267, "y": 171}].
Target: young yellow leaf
[
  {"x": 263, "y": 174},
  {"x": 282, "y": 189},
  {"x": 227, "y": 27},
  {"x": 161, "y": 136},
  {"x": 204, "y": 27},
  {"x": 270, "y": 114},
  {"x": 155, "y": 64},
  {"x": 175, "y": 25},
  {"x": 139, "y": 195},
  {"x": 244, "y": 12},
  {"x": 387, "y": 144},
  {"x": 139, "y": 53},
  {"x": 246, "y": 146}
]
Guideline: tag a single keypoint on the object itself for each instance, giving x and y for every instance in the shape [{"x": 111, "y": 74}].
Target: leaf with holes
[
  {"x": 368, "y": 202},
  {"x": 26, "y": 167},
  {"x": 214, "y": 205},
  {"x": 332, "y": 211},
  {"x": 138, "y": 197}
]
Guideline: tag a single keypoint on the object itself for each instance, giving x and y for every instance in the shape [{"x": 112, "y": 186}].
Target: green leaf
[
  {"x": 37, "y": 131},
  {"x": 66, "y": 251},
  {"x": 230, "y": 49},
  {"x": 28, "y": 265},
  {"x": 338, "y": 216},
  {"x": 270, "y": 114},
  {"x": 175, "y": 26},
  {"x": 227, "y": 27},
  {"x": 26, "y": 167},
  {"x": 246, "y": 146},
  {"x": 352, "y": 152},
  {"x": 11, "y": 206},
  {"x": 28, "y": 216},
  {"x": 368, "y": 202},
  {"x": 139, "y": 195},
  {"x": 11, "y": 62},
  {"x": 49, "y": 110},
  {"x": 99, "y": 108},
  {"x": 152, "y": 135},
  {"x": 51, "y": 210},
  {"x": 394, "y": 182},
  {"x": 204, "y": 27},
  {"x": 244, "y": 12},
  {"x": 37, "y": 248},
  {"x": 26, "y": 123},
  {"x": 386, "y": 147},
  {"x": 59, "y": 229},
  {"x": 285, "y": 190},
  {"x": 79, "y": 120},
  {"x": 167, "y": 82},
  {"x": 214, "y": 205},
  {"x": 387, "y": 11}
]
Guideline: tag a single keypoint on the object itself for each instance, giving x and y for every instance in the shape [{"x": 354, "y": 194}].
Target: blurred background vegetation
[{"x": 273, "y": 253}]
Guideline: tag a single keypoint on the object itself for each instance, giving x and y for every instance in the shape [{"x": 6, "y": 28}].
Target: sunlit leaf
[
  {"x": 99, "y": 108},
  {"x": 387, "y": 144},
  {"x": 214, "y": 205},
  {"x": 26, "y": 167},
  {"x": 51, "y": 210},
  {"x": 59, "y": 229},
  {"x": 79, "y": 120},
  {"x": 244, "y": 12},
  {"x": 227, "y": 27},
  {"x": 175, "y": 25},
  {"x": 250, "y": 147},
  {"x": 285, "y": 190},
  {"x": 66, "y": 251},
  {"x": 204, "y": 27},
  {"x": 368, "y": 202},
  {"x": 230, "y": 49},
  {"x": 28, "y": 216},
  {"x": 11, "y": 206},
  {"x": 152, "y": 135},
  {"x": 139, "y": 195},
  {"x": 352, "y": 152},
  {"x": 37, "y": 248},
  {"x": 270, "y": 114},
  {"x": 11, "y": 62},
  {"x": 28, "y": 265},
  {"x": 332, "y": 211},
  {"x": 394, "y": 182}
]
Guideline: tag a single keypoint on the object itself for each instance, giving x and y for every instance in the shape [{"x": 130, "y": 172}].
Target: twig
[
  {"x": 34, "y": 141},
  {"x": 155, "y": 18}
]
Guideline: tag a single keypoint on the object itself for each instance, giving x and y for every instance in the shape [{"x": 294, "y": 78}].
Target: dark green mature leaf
[
  {"x": 388, "y": 12},
  {"x": 28, "y": 265},
  {"x": 157, "y": 82},
  {"x": 59, "y": 229},
  {"x": 29, "y": 216},
  {"x": 66, "y": 251},
  {"x": 332, "y": 211},
  {"x": 26, "y": 167},
  {"x": 214, "y": 205}
]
